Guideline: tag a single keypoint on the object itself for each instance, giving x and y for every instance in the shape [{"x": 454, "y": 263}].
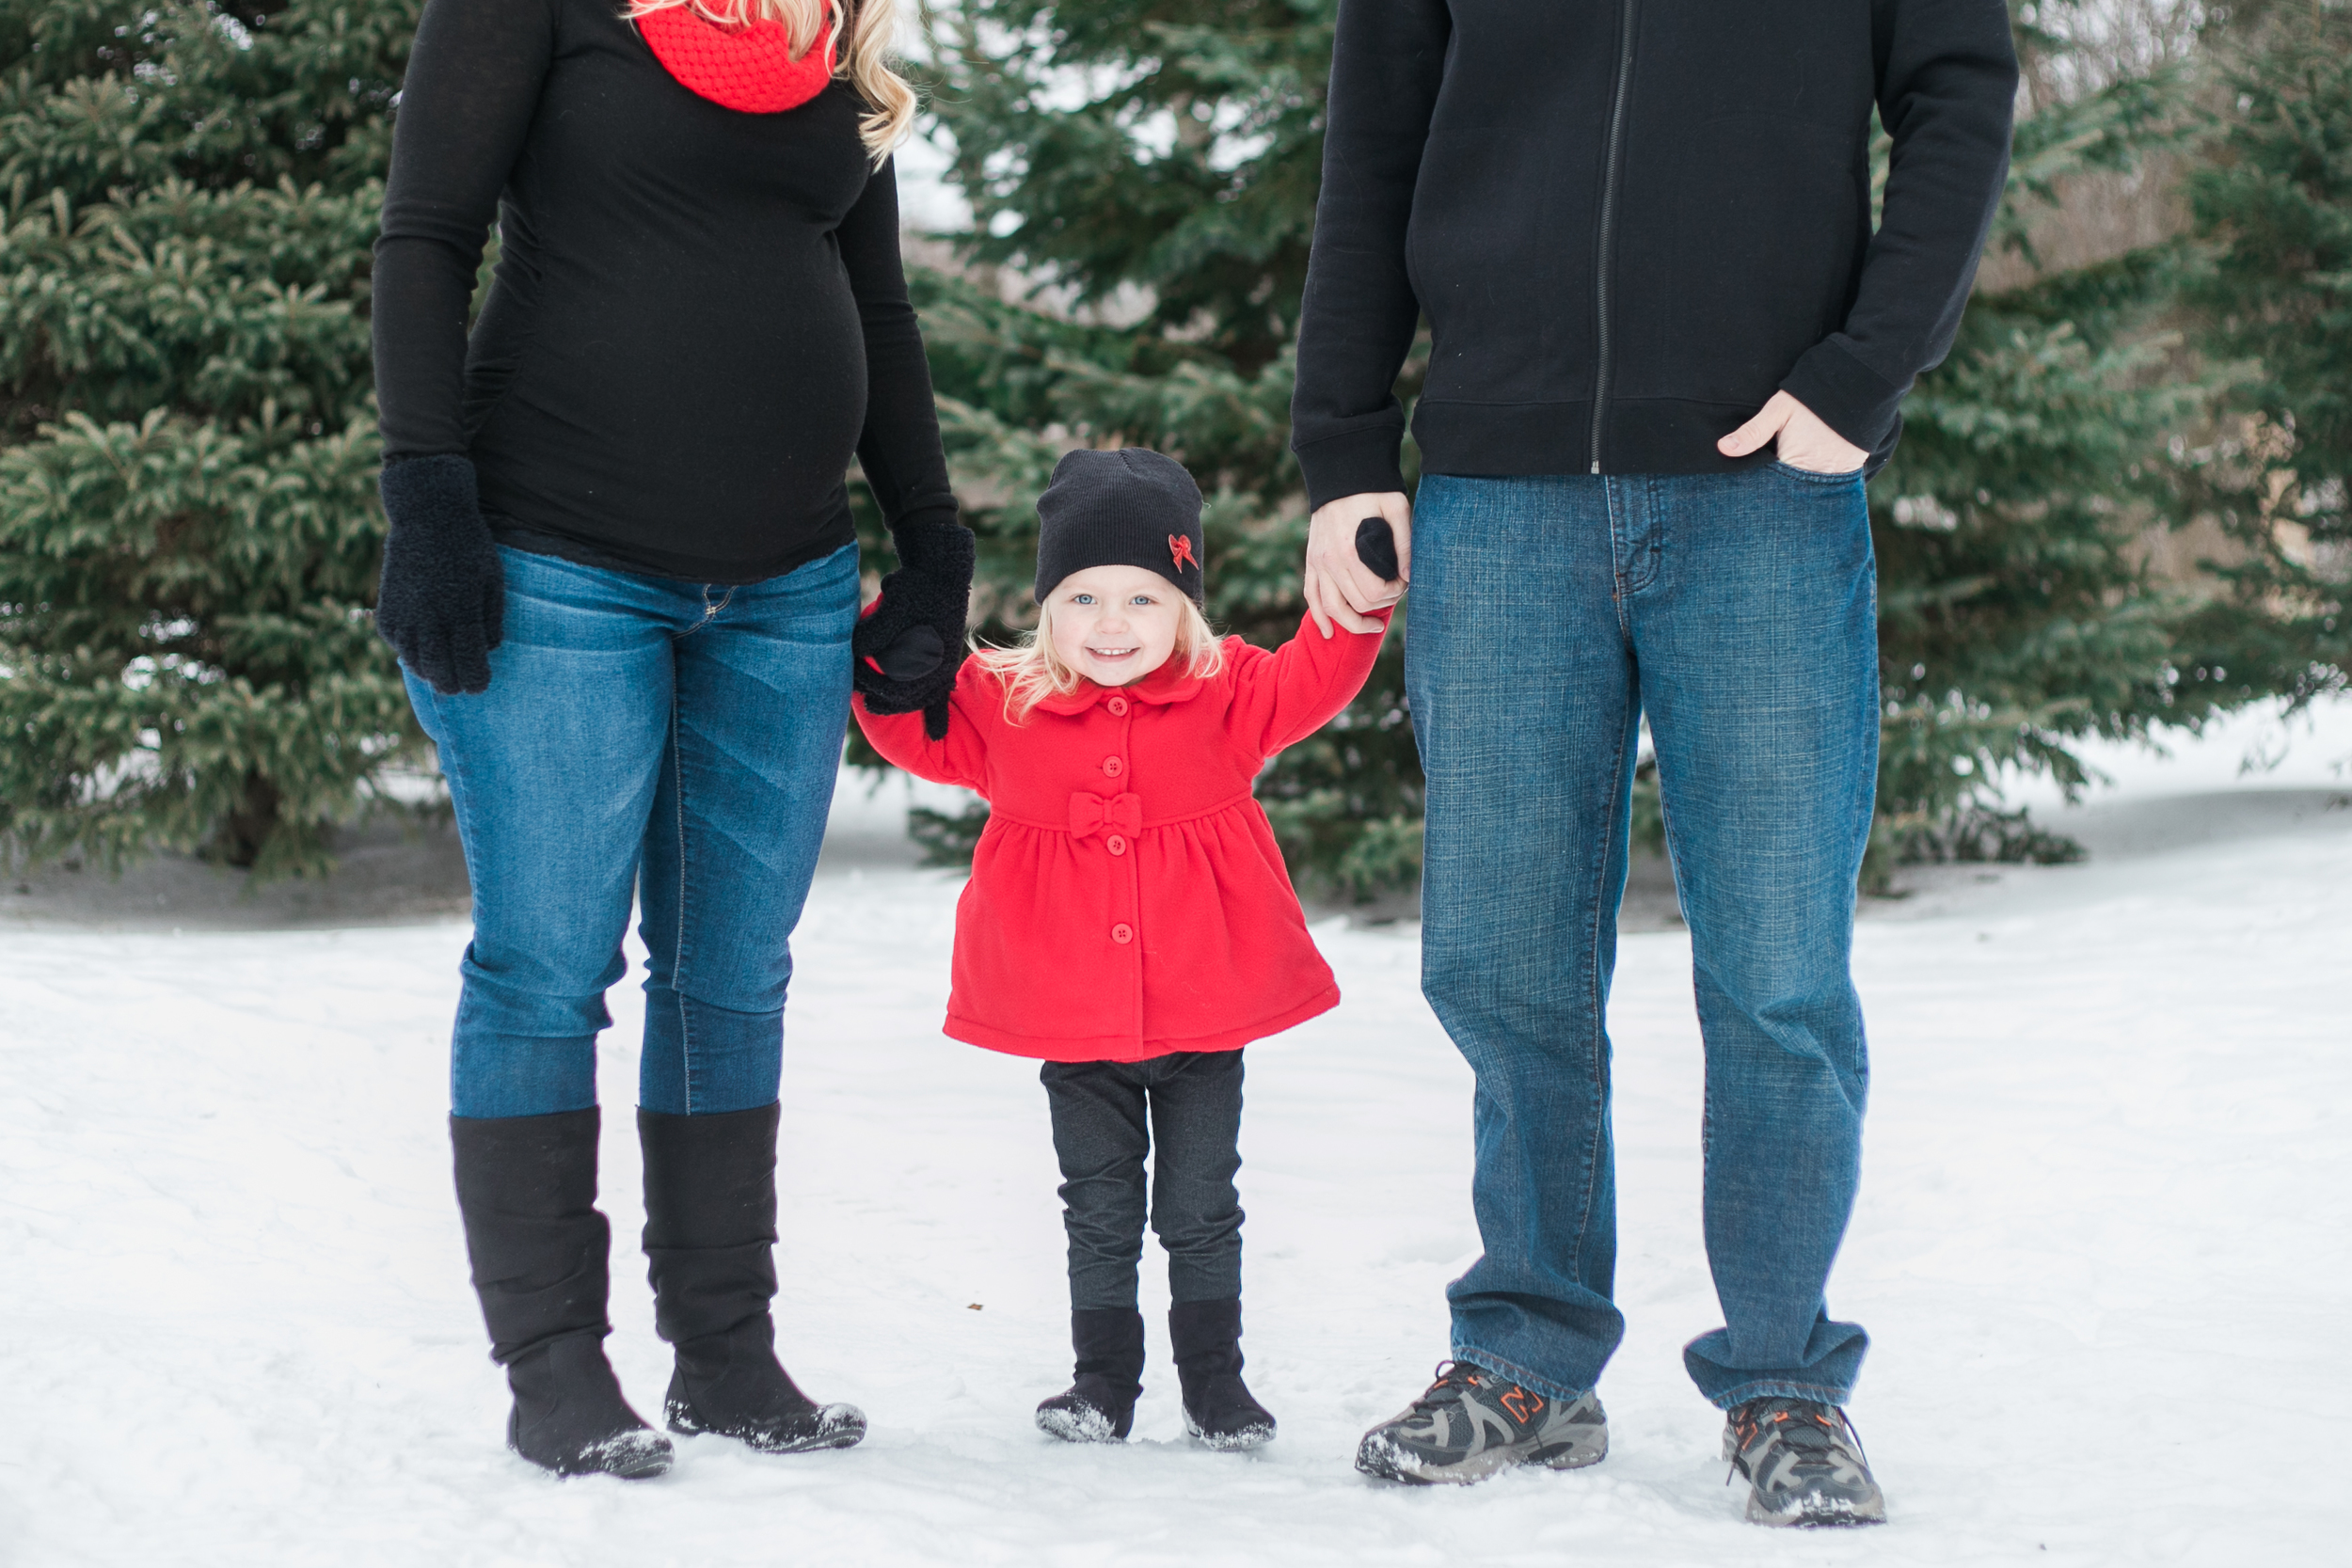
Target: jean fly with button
[
  {"x": 1739, "y": 612},
  {"x": 675, "y": 739}
]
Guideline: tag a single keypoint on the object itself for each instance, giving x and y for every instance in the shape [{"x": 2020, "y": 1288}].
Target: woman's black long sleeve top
[{"x": 698, "y": 314}]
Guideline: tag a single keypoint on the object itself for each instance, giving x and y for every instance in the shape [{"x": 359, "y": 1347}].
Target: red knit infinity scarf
[{"x": 750, "y": 69}]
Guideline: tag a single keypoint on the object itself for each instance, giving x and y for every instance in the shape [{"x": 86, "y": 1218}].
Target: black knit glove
[
  {"x": 443, "y": 595},
  {"x": 910, "y": 644}
]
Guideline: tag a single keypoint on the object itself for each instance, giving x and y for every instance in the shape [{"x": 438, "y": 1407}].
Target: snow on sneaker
[
  {"x": 1805, "y": 1464},
  {"x": 1473, "y": 1423}
]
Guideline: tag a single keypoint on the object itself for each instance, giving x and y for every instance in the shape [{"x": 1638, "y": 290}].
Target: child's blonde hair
[{"x": 1032, "y": 671}]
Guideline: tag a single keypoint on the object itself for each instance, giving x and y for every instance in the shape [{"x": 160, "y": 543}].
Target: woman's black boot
[
  {"x": 1099, "y": 1405},
  {"x": 1219, "y": 1409},
  {"x": 541, "y": 1257},
  {"x": 710, "y": 1234}
]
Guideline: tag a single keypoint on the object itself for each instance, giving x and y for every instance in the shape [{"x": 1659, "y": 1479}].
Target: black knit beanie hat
[{"x": 1132, "y": 507}]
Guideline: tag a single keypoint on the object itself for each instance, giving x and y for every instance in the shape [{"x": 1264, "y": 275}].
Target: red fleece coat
[{"x": 1127, "y": 898}]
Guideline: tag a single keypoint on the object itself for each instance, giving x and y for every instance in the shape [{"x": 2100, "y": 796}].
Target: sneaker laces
[
  {"x": 1813, "y": 1429},
  {"x": 1452, "y": 1378}
]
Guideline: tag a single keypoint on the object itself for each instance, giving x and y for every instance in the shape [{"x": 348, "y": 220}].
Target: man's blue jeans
[
  {"x": 1739, "y": 611},
  {"x": 671, "y": 738}
]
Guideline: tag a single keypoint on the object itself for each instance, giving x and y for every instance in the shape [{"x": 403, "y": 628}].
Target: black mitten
[
  {"x": 910, "y": 644},
  {"x": 1376, "y": 546},
  {"x": 443, "y": 598}
]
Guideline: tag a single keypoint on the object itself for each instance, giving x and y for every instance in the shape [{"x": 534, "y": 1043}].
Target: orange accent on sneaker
[{"x": 1524, "y": 1405}]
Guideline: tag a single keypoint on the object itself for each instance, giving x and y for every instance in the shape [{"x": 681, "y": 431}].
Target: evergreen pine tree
[
  {"x": 189, "y": 531},
  {"x": 188, "y": 526},
  {"x": 2272, "y": 207},
  {"x": 2019, "y": 611}
]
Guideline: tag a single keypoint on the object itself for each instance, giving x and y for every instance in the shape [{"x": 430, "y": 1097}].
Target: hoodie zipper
[{"x": 1609, "y": 217}]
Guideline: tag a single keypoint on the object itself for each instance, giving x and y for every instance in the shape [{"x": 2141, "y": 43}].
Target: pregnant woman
[{"x": 623, "y": 582}]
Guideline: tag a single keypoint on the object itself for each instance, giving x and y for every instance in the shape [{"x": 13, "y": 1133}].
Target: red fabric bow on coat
[{"x": 1091, "y": 813}]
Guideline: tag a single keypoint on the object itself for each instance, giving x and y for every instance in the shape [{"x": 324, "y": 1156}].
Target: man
[{"x": 1666, "y": 346}]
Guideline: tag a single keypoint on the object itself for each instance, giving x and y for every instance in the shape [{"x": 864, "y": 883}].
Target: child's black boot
[
  {"x": 1099, "y": 1405},
  {"x": 1219, "y": 1409},
  {"x": 710, "y": 1231}
]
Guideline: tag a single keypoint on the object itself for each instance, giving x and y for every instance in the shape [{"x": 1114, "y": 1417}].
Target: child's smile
[{"x": 1115, "y": 625}]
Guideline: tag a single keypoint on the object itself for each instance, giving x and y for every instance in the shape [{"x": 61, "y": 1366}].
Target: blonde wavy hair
[
  {"x": 865, "y": 59},
  {"x": 1032, "y": 671}
]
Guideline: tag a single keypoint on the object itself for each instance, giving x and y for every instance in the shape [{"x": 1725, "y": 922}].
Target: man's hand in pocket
[{"x": 1805, "y": 442}]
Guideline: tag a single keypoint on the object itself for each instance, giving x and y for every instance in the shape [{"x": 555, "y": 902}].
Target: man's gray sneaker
[
  {"x": 1805, "y": 1464},
  {"x": 1473, "y": 1422}
]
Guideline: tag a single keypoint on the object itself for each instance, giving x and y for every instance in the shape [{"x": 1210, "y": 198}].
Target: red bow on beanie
[{"x": 747, "y": 69}]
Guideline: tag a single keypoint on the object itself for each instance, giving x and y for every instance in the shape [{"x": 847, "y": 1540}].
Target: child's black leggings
[{"x": 1100, "y": 1137}]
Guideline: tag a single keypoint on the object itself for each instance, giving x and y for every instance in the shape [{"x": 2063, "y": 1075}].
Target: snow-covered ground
[{"x": 2101, "y": 1245}]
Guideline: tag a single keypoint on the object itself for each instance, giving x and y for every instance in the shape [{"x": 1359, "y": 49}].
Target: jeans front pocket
[{"x": 1815, "y": 476}]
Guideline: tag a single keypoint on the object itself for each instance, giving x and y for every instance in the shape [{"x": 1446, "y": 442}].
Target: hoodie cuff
[
  {"x": 1850, "y": 397},
  {"x": 1355, "y": 463}
]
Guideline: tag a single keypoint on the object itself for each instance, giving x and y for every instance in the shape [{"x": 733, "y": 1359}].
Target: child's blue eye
[
  {"x": 1082, "y": 598},
  {"x": 1140, "y": 598}
]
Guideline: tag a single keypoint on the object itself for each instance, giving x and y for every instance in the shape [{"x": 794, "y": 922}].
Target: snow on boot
[
  {"x": 1805, "y": 1464},
  {"x": 1100, "y": 1404},
  {"x": 710, "y": 1234},
  {"x": 1219, "y": 1409},
  {"x": 569, "y": 1415},
  {"x": 541, "y": 1257}
]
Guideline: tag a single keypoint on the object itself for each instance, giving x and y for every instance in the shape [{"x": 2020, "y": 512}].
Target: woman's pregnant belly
[{"x": 711, "y": 411}]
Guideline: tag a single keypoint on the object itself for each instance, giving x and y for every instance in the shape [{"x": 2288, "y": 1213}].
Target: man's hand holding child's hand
[{"x": 1340, "y": 587}]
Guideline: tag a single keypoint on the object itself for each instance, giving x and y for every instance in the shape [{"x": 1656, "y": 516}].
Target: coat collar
[{"x": 1173, "y": 682}]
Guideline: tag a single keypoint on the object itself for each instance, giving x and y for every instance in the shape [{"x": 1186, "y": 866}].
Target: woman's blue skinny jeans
[{"x": 674, "y": 740}]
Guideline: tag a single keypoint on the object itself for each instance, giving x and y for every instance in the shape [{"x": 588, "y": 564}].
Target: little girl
[{"x": 1129, "y": 918}]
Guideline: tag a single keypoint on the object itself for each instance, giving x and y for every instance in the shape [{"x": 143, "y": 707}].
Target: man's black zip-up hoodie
[{"x": 1629, "y": 222}]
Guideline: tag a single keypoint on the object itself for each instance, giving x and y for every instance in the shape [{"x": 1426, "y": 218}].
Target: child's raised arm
[
  {"x": 962, "y": 758},
  {"x": 1280, "y": 698}
]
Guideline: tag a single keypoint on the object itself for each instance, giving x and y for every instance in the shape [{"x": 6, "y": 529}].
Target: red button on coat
[
  {"x": 1122, "y": 934},
  {"x": 1113, "y": 767},
  {"x": 1116, "y": 845},
  {"x": 1117, "y": 707}
]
